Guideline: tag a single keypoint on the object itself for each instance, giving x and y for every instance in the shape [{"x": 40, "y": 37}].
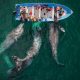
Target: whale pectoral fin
[
  {"x": 55, "y": 56},
  {"x": 61, "y": 29}
]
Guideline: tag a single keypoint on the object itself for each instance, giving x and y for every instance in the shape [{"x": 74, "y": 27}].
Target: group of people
[
  {"x": 26, "y": 15},
  {"x": 58, "y": 13}
]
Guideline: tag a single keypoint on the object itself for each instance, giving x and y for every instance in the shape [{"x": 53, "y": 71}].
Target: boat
[{"x": 43, "y": 12}]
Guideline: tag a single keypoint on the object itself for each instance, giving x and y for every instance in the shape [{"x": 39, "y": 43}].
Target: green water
[{"x": 43, "y": 66}]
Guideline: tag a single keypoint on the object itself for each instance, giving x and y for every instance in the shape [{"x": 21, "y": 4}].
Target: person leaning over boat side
[
  {"x": 56, "y": 20},
  {"x": 55, "y": 15},
  {"x": 60, "y": 11}
]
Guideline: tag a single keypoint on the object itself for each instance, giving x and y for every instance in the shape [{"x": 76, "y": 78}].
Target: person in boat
[
  {"x": 23, "y": 13},
  {"x": 48, "y": 9},
  {"x": 55, "y": 15},
  {"x": 32, "y": 18},
  {"x": 56, "y": 9},
  {"x": 60, "y": 11}
]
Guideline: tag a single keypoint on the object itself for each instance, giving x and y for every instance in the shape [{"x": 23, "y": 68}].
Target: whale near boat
[{"x": 43, "y": 12}]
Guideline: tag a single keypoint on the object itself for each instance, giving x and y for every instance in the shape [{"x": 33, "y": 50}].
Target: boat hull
[{"x": 41, "y": 17}]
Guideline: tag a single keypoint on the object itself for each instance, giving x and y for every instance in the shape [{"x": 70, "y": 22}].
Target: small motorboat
[{"x": 43, "y": 12}]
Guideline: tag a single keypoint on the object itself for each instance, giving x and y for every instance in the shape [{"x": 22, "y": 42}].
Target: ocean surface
[{"x": 43, "y": 66}]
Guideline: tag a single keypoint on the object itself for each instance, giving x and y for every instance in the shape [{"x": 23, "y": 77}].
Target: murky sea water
[{"x": 43, "y": 66}]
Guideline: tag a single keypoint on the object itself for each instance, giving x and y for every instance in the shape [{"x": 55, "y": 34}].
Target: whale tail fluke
[{"x": 57, "y": 61}]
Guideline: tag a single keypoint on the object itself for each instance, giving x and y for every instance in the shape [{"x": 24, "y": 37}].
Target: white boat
[{"x": 43, "y": 12}]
